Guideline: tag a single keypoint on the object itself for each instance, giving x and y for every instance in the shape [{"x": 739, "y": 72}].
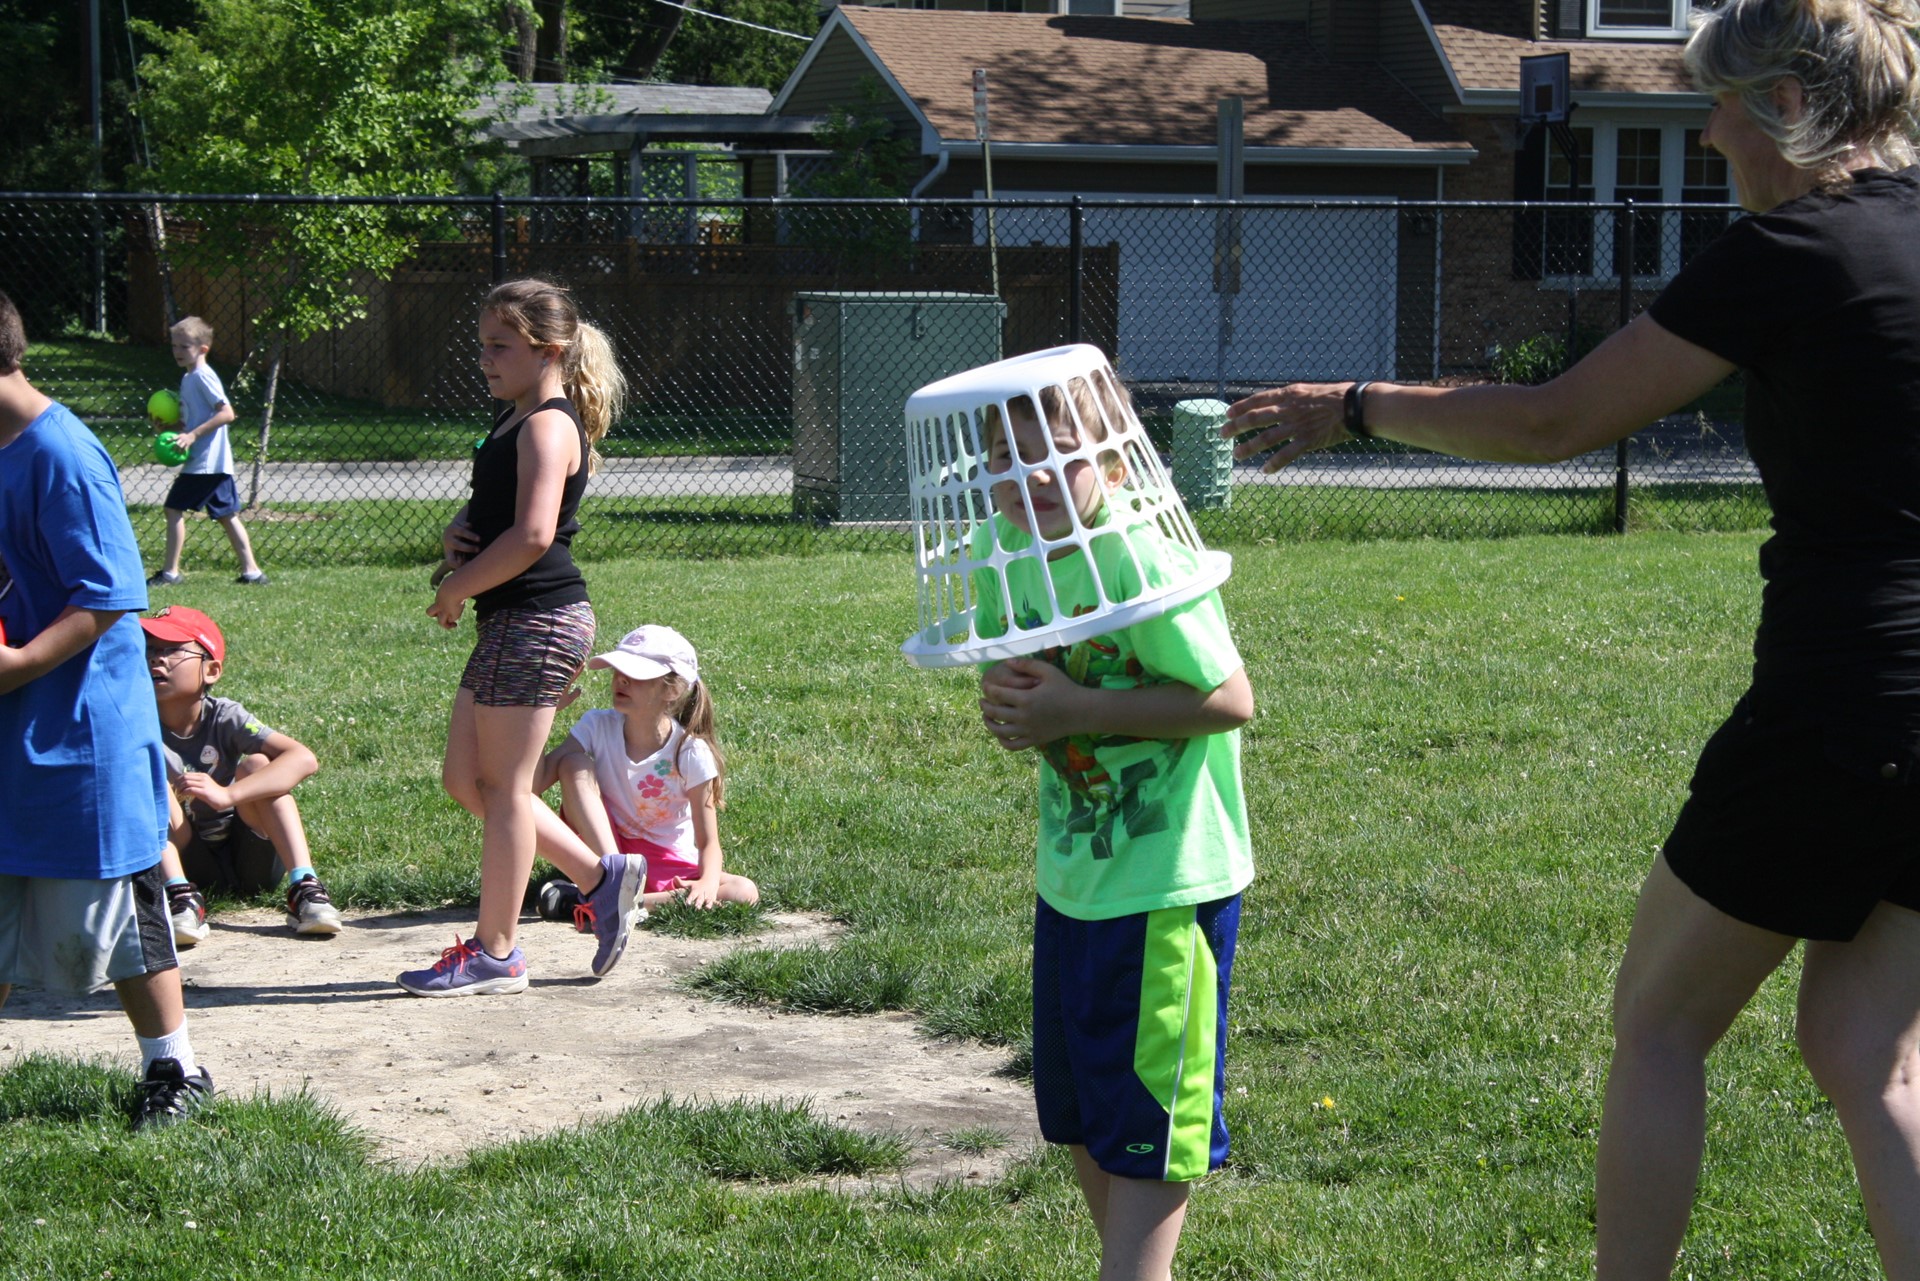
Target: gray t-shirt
[
  {"x": 225, "y": 732},
  {"x": 201, "y": 395}
]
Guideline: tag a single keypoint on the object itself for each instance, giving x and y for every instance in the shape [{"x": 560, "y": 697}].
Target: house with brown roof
[{"x": 1353, "y": 110}]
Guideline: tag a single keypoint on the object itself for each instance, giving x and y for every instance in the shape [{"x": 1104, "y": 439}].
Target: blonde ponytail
[
  {"x": 595, "y": 385},
  {"x": 693, "y": 708}
]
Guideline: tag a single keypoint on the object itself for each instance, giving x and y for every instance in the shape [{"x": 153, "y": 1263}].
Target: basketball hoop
[{"x": 1545, "y": 89}]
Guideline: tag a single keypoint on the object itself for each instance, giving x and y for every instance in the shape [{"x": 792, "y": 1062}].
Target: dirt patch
[{"x": 431, "y": 1079}]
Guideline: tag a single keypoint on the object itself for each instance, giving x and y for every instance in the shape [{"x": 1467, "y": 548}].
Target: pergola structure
[{"x": 660, "y": 142}]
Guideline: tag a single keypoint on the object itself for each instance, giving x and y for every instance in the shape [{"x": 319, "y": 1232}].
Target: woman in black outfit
[{"x": 1803, "y": 820}]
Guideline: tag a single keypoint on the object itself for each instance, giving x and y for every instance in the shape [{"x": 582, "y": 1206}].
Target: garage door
[{"x": 1317, "y": 291}]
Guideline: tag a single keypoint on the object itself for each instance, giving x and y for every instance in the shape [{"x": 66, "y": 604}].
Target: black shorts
[
  {"x": 240, "y": 862},
  {"x": 215, "y": 492},
  {"x": 1800, "y": 823}
]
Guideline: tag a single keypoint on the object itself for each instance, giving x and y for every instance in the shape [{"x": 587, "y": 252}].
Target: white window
[
  {"x": 1649, "y": 163},
  {"x": 1636, "y": 19}
]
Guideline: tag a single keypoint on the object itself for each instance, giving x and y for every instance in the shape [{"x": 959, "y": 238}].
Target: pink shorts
[{"x": 663, "y": 864}]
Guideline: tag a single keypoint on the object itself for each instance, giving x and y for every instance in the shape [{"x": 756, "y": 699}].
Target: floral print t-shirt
[{"x": 646, "y": 800}]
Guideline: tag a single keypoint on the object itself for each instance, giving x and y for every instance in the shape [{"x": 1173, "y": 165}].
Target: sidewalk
[{"x": 1657, "y": 456}]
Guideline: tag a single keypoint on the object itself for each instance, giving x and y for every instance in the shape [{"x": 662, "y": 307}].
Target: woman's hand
[
  {"x": 1293, "y": 420},
  {"x": 1025, "y": 702}
]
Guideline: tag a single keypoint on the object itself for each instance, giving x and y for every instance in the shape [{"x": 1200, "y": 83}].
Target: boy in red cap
[{"x": 234, "y": 824}]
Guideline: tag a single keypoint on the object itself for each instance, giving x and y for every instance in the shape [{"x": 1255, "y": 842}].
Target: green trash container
[{"x": 1202, "y": 462}]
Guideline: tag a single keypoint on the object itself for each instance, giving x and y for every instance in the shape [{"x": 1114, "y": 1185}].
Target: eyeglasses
[{"x": 172, "y": 658}]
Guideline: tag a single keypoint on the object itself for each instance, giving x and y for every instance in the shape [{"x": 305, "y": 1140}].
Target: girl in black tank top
[{"x": 509, "y": 552}]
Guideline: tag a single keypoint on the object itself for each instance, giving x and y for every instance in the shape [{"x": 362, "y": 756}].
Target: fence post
[
  {"x": 1076, "y": 266},
  {"x": 499, "y": 238},
  {"x": 1623, "y": 247}
]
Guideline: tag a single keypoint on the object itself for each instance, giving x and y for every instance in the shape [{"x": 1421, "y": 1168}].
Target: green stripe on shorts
[{"x": 1175, "y": 1048}]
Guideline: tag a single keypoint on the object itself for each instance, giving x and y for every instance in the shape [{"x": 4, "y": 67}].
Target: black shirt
[
  {"x": 1818, "y": 300},
  {"x": 553, "y": 580}
]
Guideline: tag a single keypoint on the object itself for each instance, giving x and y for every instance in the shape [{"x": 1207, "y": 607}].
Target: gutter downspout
[{"x": 919, "y": 188}]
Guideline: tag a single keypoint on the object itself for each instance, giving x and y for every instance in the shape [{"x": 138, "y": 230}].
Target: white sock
[{"x": 174, "y": 1045}]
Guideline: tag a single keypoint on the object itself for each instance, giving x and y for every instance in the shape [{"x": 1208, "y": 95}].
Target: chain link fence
[{"x": 771, "y": 344}]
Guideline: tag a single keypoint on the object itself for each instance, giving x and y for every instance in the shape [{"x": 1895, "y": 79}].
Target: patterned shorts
[{"x": 529, "y": 657}]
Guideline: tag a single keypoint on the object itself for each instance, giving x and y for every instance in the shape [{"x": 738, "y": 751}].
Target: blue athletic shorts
[
  {"x": 1129, "y": 1036},
  {"x": 213, "y": 491}
]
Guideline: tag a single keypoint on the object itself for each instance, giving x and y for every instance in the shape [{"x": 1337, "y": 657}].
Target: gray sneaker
[
  {"x": 188, "y": 912},
  {"x": 166, "y": 1094},
  {"x": 309, "y": 909},
  {"x": 611, "y": 911}
]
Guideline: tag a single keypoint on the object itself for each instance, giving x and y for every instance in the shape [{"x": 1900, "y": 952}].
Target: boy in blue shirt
[
  {"x": 206, "y": 479},
  {"x": 82, "y": 900}
]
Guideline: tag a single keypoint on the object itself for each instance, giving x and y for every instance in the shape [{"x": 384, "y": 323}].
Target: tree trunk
[
  {"x": 157, "y": 226},
  {"x": 550, "y": 54},
  {"x": 525, "y": 44},
  {"x": 656, "y": 31},
  {"x": 266, "y": 417}
]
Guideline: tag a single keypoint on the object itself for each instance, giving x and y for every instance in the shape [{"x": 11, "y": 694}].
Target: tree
[
  {"x": 647, "y": 40},
  {"x": 869, "y": 160},
  {"x": 317, "y": 97},
  {"x": 44, "y": 57}
]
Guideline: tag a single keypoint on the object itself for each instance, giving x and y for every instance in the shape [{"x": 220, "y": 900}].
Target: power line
[{"x": 721, "y": 17}]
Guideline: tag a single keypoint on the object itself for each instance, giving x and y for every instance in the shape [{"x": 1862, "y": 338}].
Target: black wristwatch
[{"x": 1356, "y": 410}]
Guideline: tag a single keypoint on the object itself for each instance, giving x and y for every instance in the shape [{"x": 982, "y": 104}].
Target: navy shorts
[
  {"x": 215, "y": 492},
  {"x": 1130, "y": 1033},
  {"x": 1800, "y": 823}
]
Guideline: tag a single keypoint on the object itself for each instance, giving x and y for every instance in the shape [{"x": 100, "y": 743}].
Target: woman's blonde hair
[
  {"x": 544, "y": 314},
  {"x": 693, "y": 708},
  {"x": 1856, "y": 63}
]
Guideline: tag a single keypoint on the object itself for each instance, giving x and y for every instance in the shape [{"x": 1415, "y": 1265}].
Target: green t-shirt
[{"x": 1128, "y": 825}]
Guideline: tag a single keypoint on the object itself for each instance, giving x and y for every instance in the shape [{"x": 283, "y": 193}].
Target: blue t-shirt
[
  {"x": 201, "y": 396},
  {"x": 80, "y": 760}
]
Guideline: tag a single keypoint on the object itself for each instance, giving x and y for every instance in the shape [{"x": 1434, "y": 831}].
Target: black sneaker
[
  {"x": 558, "y": 898},
  {"x": 167, "y": 1094},
  {"x": 255, "y": 579},
  {"x": 189, "y": 913},
  {"x": 162, "y": 579}
]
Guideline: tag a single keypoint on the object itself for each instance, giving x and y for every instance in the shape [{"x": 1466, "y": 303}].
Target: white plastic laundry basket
[{"x": 949, "y": 428}]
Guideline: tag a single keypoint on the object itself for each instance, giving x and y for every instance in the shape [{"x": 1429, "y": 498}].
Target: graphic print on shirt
[
  {"x": 653, "y": 802},
  {"x": 1098, "y": 800}
]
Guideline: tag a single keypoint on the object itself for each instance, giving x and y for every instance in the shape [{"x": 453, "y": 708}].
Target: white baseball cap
[{"x": 647, "y": 652}]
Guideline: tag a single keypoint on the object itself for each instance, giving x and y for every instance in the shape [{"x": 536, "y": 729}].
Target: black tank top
[{"x": 553, "y": 580}]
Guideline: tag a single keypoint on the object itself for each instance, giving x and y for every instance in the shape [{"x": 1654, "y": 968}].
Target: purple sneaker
[
  {"x": 610, "y": 912},
  {"x": 466, "y": 970}
]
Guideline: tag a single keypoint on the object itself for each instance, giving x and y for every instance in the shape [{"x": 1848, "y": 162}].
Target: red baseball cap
[{"x": 179, "y": 624}]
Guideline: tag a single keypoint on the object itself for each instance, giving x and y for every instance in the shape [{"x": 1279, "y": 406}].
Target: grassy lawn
[
  {"x": 107, "y": 385},
  {"x": 1465, "y": 757}
]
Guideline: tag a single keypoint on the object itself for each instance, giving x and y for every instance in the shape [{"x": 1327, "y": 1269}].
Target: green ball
[
  {"x": 168, "y": 449},
  {"x": 165, "y": 406}
]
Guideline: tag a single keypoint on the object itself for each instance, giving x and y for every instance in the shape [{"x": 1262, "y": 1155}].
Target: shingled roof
[
  {"x": 1485, "y": 40},
  {"x": 1141, "y": 81}
]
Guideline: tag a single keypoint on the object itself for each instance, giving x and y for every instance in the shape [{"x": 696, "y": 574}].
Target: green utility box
[{"x": 856, "y": 359}]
